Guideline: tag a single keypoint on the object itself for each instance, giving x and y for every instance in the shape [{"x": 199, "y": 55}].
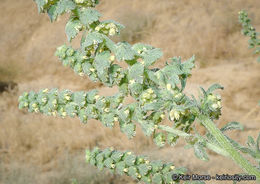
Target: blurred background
[{"x": 38, "y": 149}]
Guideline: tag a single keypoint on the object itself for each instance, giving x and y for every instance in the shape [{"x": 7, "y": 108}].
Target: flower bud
[
  {"x": 112, "y": 58},
  {"x": 45, "y": 90},
  {"x": 150, "y": 91},
  {"x": 169, "y": 87},
  {"x": 115, "y": 118},
  {"x": 214, "y": 106}
]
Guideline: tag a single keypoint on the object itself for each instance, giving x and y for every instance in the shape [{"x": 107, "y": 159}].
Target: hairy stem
[
  {"x": 180, "y": 133},
  {"x": 227, "y": 146}
]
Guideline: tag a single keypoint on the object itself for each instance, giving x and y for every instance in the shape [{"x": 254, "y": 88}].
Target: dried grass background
[{"x": 38, "y": 149}]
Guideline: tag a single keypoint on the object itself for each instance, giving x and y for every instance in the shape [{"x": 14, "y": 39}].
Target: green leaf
[
  {"x": 124, "y": 52},
  {"x": 117, "y": 155},
  {"x": 151, "y": 56},
  {"x": 71, "y": 109},
  {"x": 188, "y": 65},
  {"x": 72, "y": 28},
  {"x": 108, "y": 162},
  {"x": 130, "y": 160},
  {"x": 91, "y": 96},
  {"x": 108, "y": 120},
  {"x": 213, "y": 88},
  {"x": 147, "y": 126},
  {"x": 136, "y": 89},
  {"x": 157, "y": 178},
  {"x": 92, "y": 38},
  {"x": 152, "y": 76},
  {"x": 160, "y": 139},
  {"x": 102, "y": 65},
  {"x": 83, "y": 115},
  {"x": 136, "y": 72},
  {"x": 132, "y": 171},
  {"x": 128, "y": 129},
  {"x": 155, "y": 106},
  {"x": 139, "y": 47},
  {"x": 200, "y": 151},
  {"x": 124, "y": 117},
  {"x": 123, "y": 88},
  {"x": 40, "y": 4},
  {"x": 120, "y": 166},
  {"x": 146, "y": 179},
  {"x": 232, "y": 126},
  {"x": 108, "y": 152},
  {"x": 144, "y": 168},
  {"x": 168, "y": 177},
  {"x": 250, "y": 142},
  {"x": 100, "y": 157},
  {"x": 161, "y": 78},
  {"x": 52, "y": 12},
  {"x": 172, "y": 139},
  {"x": 65, "y": 6},
  {"x": 79, "y": 98},
  {"x": 88, "y": 16},
  {"x": 180, "y": 170}
]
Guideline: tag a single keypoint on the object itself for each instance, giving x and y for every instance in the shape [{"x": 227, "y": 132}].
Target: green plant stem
[
  {"x": 227, "y": 146},
  {"x": 174, "y": 131},
  {"x": 180, "y": 133}
]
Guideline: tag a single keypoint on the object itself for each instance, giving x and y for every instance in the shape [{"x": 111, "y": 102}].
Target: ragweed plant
[
  {"x": 158, "y": 94},
  {"x": 249, "y": 30}
]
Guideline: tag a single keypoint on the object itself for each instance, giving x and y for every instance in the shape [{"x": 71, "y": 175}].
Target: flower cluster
[
  {"x": 148, "y": 96},
  {"x": 83, "y": 65},
  {"x": 109, "y": 28},
  {"x": 212, "y": 105},
  {"x": 137, "y": 167},
  {"x": 87, "y": 3},
  {"x": 66, "y": 103}
]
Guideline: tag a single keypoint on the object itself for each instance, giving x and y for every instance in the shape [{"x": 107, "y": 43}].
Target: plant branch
[{"x": 227, "y": 146}]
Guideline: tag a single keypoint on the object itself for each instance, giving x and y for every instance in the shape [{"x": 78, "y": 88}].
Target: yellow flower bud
[
  {"x": 45, "y": 90},
  {"x": 147, "y": 161},
  {"x": 67, "y": 97},
  {"x": 132, "y": 81},
  {"x": 92, "y": 69},
  {"x": 150, "y": 91},
  {"x": 115, "y": 118},
  {"x": 34, "y": 105},
  {"x": 54, "y": 113},
  {"x": 112, "y": 58},
  {"x": 219, "y": 104},
  {"x": 162, "y": 116},
  {"x": 97, "y": 97},
  {"x": 127, "y": 111},
  {"x": 214, "y": 106},
  {"x": 112, "y": 31},
  {"x": 169, "y": 87}
]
